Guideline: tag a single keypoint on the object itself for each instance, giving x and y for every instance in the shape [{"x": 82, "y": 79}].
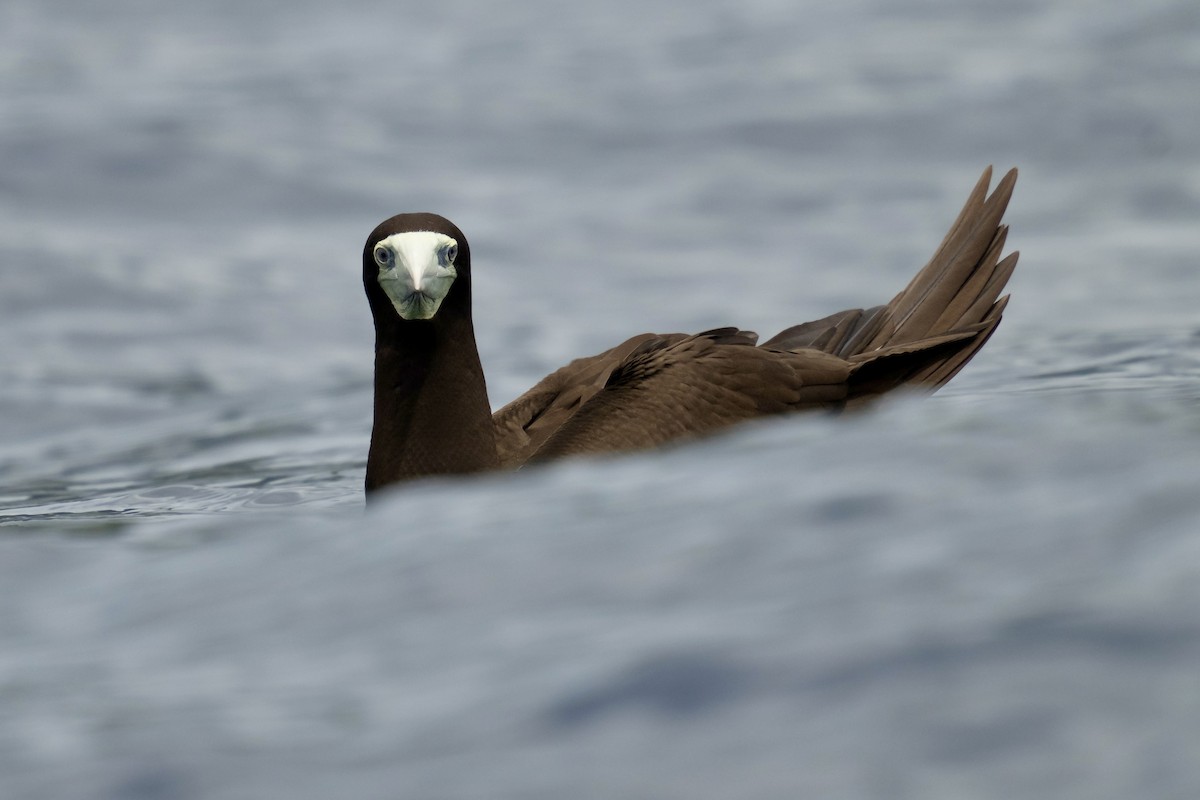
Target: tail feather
[
  {"x": 964, "y": 307},
  {"x": 938, "y": 373},
  {"x": 932, "y": 328},
  {"x": 987, "y": 299},
  {"x": 830, "y": 334},
  {"x": 873, "y": 320},
  {"x": 964, "y": 252}
]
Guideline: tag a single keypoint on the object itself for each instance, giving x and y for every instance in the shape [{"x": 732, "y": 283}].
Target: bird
[{"x": 432, "y": 416}]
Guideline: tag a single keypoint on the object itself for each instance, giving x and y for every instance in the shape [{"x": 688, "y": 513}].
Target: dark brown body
[{"x": 431, "y": 410}]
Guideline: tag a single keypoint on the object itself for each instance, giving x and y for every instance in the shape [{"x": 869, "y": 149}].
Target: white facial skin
[{"x": 416, "y": 270}]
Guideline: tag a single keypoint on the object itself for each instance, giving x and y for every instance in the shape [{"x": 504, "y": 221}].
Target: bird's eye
[
  {"x": 451, "y": 253},
  {"x": 383, "y": 256}
]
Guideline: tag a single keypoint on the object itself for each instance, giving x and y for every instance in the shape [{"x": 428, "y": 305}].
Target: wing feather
[{"x": 652, "y": 389}]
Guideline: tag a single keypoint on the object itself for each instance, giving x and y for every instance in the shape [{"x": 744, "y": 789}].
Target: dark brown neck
[{"x": 432, "y": 415}]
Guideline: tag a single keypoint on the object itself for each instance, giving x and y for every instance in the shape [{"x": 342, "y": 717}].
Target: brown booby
[{"x": 432, "y": 415}]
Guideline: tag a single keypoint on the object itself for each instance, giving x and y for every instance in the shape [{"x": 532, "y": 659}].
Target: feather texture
[{"x": 653, "y": 389}]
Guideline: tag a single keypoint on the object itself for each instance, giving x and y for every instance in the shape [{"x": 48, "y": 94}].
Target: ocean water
[{"x": 993, "y": 592}]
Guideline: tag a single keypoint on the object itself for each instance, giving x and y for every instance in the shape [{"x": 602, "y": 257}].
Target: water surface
[{"x": 991, "y": 593}]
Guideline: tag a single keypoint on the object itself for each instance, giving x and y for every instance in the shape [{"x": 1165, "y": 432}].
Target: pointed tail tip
[
  {"x": 1009, "y": 176},
  {"x": 1003, "y": 190}
]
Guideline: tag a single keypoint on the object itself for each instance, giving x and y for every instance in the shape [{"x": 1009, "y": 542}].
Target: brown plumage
[{"x": 431, "y": 410}]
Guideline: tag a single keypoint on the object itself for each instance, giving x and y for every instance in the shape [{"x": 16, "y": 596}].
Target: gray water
[{"x": 989, "y": 593}]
